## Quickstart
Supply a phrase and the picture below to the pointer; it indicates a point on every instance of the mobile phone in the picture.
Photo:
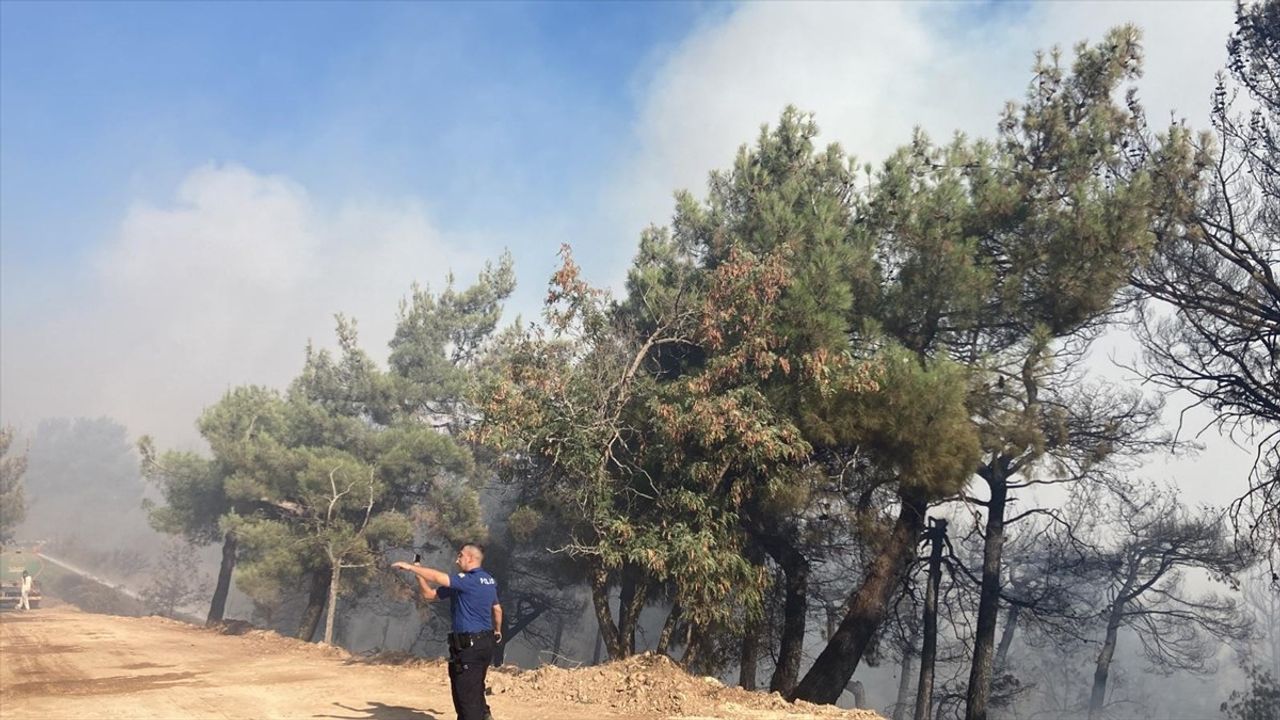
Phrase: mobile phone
(417, 558)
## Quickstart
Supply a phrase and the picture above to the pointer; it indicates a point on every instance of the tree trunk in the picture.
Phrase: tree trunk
(692, 647)
(979, 691)
(937, 533)
(795, 609)
(905, 670)
(604, 615)
(595, 656)
(219, 603)
(1098, 697)
(334, 577)
(631, 601)
(750, 655)
(315, 606)
(555, 646)
(668, 630)
(867, 608)
(626, 600)
(1006, 637)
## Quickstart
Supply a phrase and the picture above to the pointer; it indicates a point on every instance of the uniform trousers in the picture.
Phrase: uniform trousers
(468, 666)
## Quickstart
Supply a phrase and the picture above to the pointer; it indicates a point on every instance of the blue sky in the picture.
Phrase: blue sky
(189, 192)
(104, 103)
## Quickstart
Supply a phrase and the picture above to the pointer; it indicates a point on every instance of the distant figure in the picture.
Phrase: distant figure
(477, 625)
(25, 602)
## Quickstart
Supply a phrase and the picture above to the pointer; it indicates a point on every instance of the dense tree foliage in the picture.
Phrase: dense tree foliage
(13, 505)
(352, 459)
(801, 364)
(1005, 258)
(582, 405)
(920, 331)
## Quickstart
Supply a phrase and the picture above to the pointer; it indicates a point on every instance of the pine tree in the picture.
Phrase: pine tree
(12, 499)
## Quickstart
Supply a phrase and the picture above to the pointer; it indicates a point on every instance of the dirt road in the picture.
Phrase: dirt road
(63, 664)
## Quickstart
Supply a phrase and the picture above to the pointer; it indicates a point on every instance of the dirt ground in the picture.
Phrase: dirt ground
(64, 664)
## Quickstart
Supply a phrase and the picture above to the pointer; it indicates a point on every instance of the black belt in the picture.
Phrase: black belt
(463, 641)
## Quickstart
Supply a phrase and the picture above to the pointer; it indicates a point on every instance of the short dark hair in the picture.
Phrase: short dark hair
(477, 548)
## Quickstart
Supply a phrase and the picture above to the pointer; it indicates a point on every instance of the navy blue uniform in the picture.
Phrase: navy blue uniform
(472, 596)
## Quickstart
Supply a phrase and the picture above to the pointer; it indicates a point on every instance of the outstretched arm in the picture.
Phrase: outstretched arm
(428, 592)
(430, 575)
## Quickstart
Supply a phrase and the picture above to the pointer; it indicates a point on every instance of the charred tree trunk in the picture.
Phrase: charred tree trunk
(979, 691)
(867, 608)
(905, 671)
(555, 646)
(928, 653)
(218, 605)
(795, 608)
(747, 668)
(1098, 698)
(315, 605)
(604, 615)
(1006, 637)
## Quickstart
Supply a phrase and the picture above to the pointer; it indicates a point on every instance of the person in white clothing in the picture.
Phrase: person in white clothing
(25, 603)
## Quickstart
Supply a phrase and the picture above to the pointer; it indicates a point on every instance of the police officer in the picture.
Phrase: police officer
(477, 625)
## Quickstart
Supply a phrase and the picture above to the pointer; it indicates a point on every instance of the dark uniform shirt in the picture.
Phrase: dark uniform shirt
(472, 596)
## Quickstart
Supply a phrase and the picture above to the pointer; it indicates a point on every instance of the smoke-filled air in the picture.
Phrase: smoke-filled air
(561, 361)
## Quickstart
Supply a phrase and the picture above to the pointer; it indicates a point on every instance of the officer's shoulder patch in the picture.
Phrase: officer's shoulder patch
(462, 575)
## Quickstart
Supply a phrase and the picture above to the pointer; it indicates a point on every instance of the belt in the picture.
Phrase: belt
(471, 636)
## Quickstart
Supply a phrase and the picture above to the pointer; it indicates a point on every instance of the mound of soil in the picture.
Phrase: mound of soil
(265, 640)
(644, 685)
(654, 684)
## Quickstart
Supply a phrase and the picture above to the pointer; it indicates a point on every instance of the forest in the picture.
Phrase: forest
(840, 419)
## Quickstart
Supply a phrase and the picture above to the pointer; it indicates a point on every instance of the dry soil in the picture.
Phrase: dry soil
(63, 664)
